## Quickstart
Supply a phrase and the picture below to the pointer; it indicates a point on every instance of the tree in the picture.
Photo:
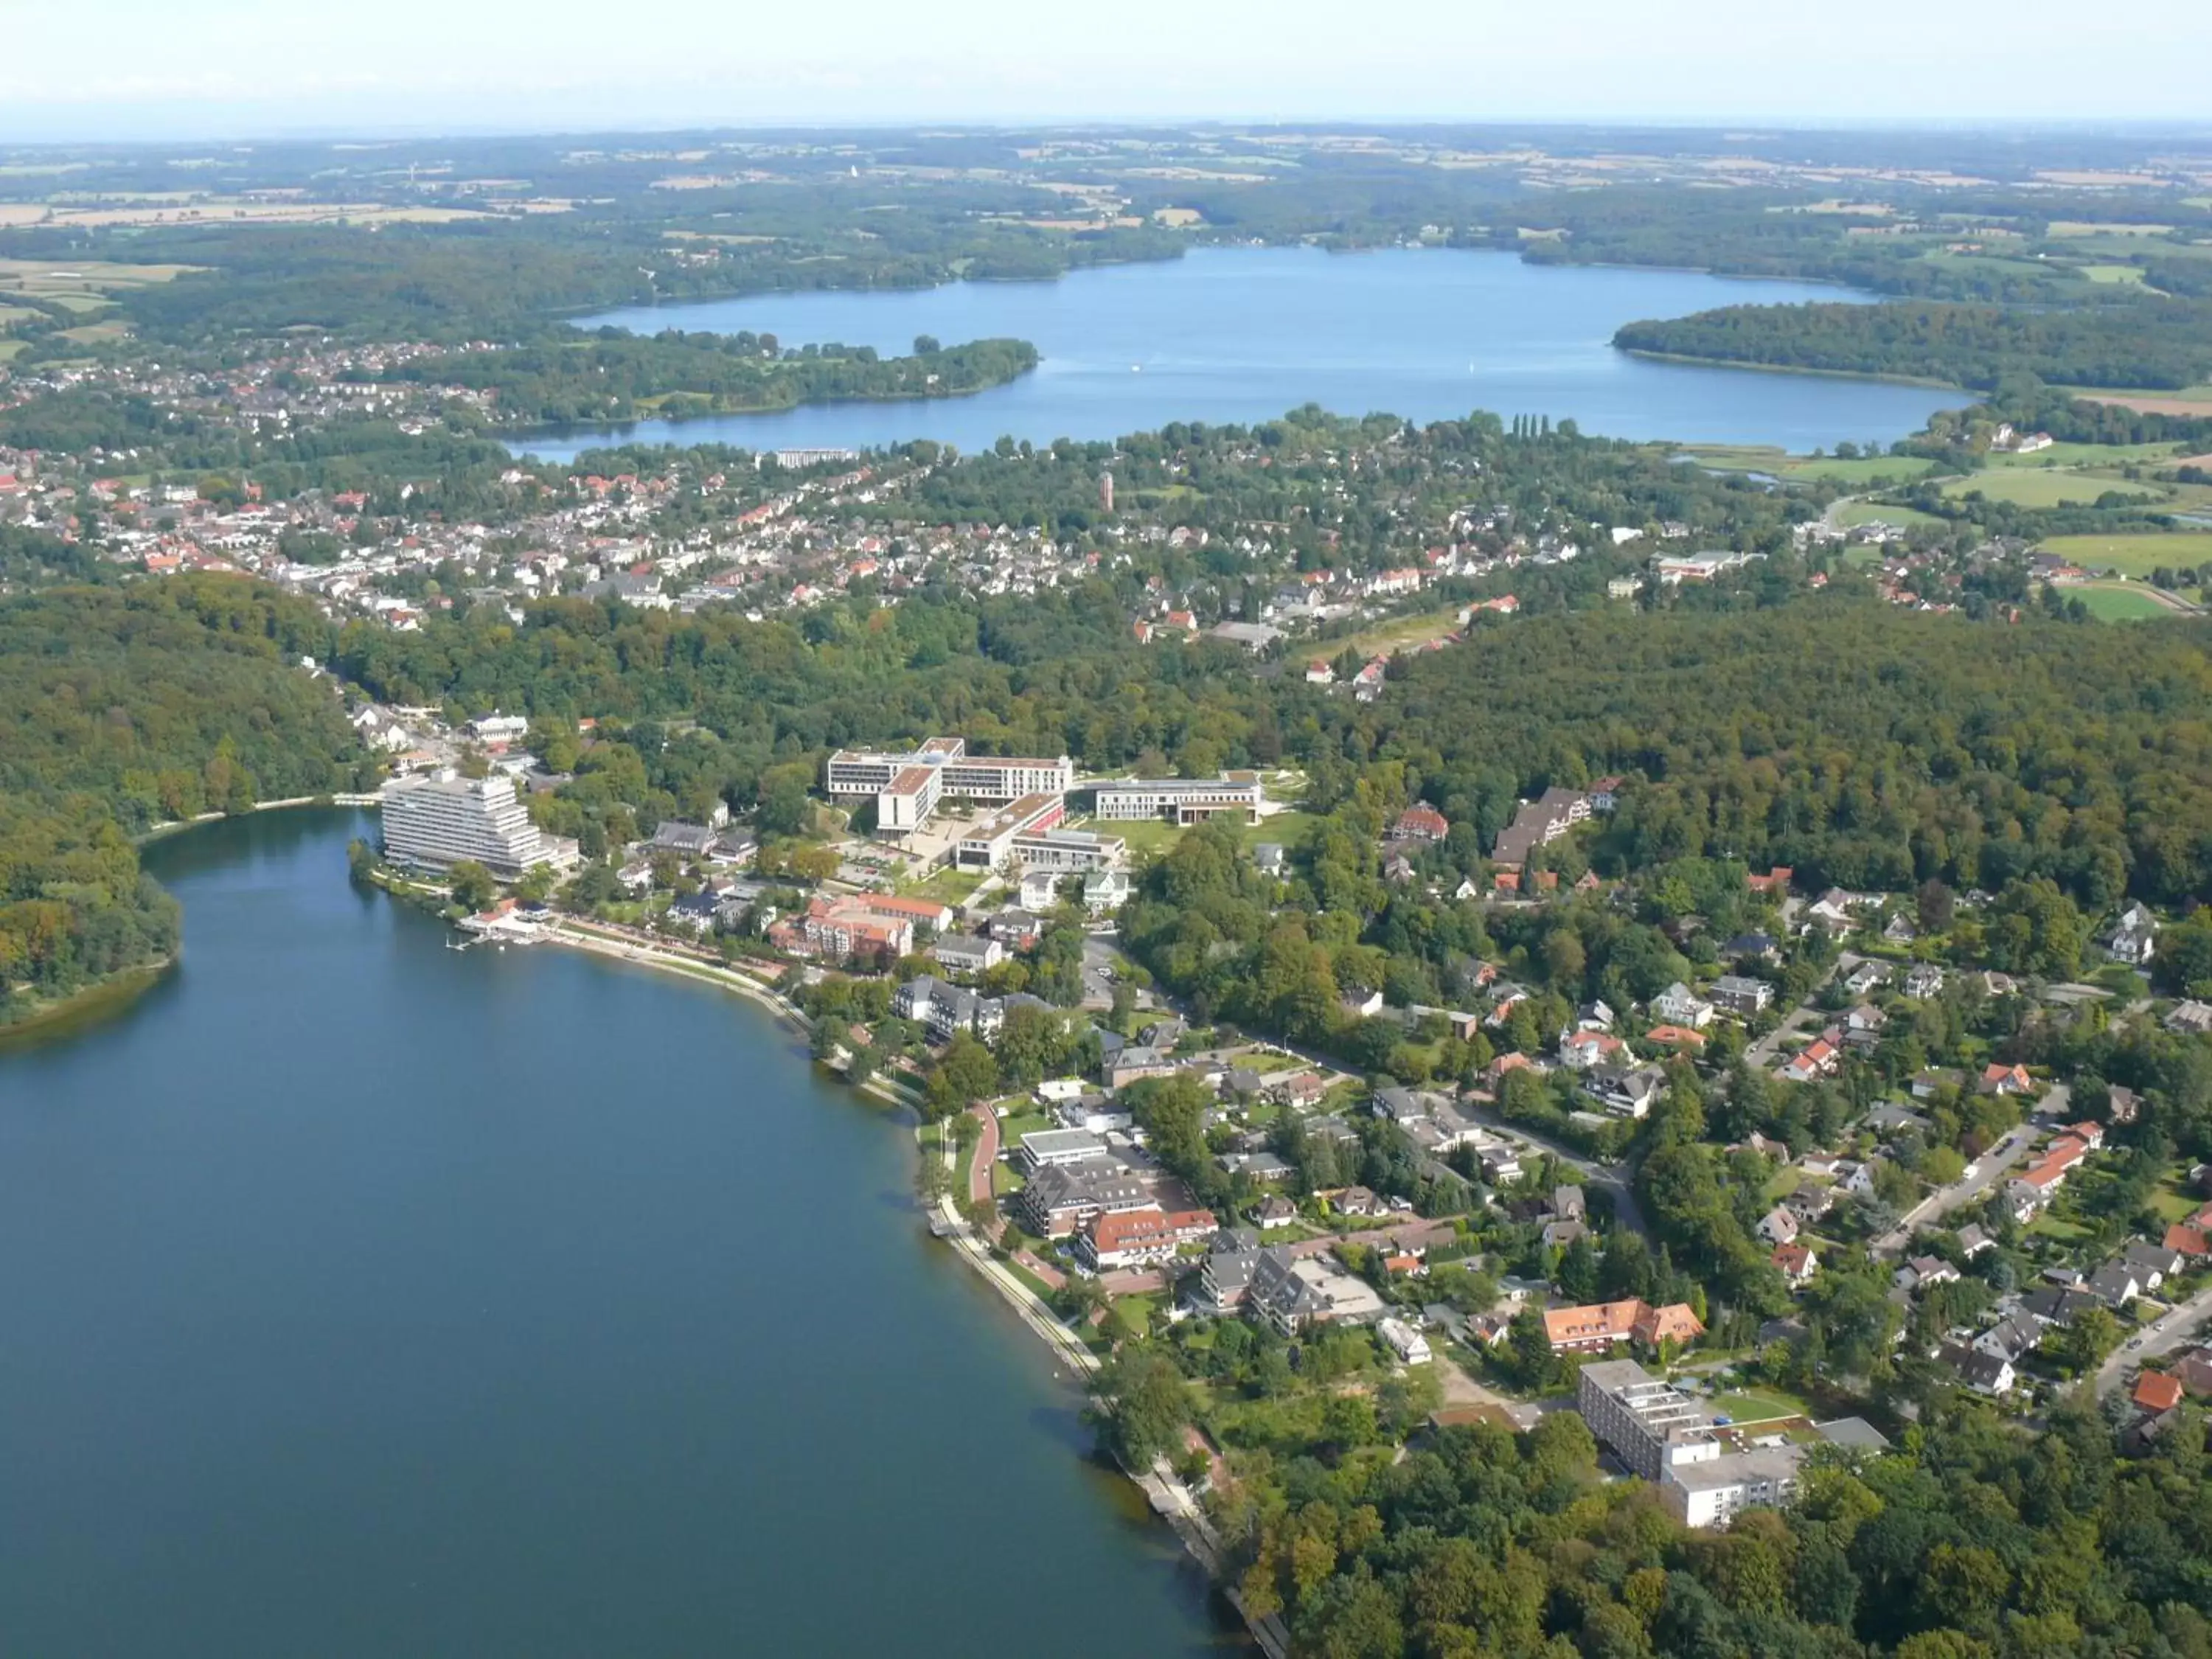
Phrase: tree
(1139, 1406)
(473, 887)
(964, 1072)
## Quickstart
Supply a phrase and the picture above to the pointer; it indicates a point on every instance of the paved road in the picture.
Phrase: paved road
(1611, 1179)
(1761, 1053)
(1991, 1167)
(2172, 1331)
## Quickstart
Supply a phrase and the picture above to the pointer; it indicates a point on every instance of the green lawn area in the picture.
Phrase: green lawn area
(1150, 837)
(2113, 274)
(1399, 634)
(946, 886)
(2171, 1203)
(2134, 556)
(1756, 1405)
(2119, 604)
(1859, 513)
(9, 347)
(2045, 487)
(1011, 1128)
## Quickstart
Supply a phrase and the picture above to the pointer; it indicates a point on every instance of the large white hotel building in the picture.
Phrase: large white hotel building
(1183, 800)
(907, 787)
(435, 822)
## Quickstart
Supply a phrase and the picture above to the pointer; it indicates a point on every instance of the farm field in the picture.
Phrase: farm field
(1860, 471)
(2134, 556)
(1399, 634)
(2068, 454)
(2053, 488)
(1859, 513)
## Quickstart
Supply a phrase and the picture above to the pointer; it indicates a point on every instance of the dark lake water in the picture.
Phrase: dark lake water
(366, 1298)
(1244, 334)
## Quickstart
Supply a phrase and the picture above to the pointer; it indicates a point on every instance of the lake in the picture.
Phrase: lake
(369, 1297)
(1244, 334)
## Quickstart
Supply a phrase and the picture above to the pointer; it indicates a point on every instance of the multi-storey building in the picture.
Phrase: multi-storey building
(435, 822)
(1650, 1424)
(908, 786)
(1183, 800)
(990, 845)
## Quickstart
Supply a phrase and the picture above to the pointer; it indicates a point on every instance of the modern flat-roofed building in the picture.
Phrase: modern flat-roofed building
(909, 785)
(435, 822)
(1650, 1424)
(990, 845)
(1069, 851)
(1711, 1492)
(1183, 800)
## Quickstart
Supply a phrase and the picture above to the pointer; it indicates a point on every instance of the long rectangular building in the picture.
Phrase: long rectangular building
(909, 785)
(1181, 800)
(435, 822)
(1650, 1424)
(990, 844)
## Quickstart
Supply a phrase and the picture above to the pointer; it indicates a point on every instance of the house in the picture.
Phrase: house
(1758, 946)
(1420, 822)
(1680, 1038)
(1411, 1347)
(1818, 1058)
(2151, 1264)
(2115, 1284)
(1124, 1238)
(1059, 1201)
(1775, 881)
(1922, 980)
(2190, 1018)
(1580, 1050)
(1927, 1270)
(1778, 1226)
(1678, 1005)
(1104, 890)
(1294, 1294)
(1626, 1090)
(1275, 1211)
(1225, 1278)
(1357, 1201)
(1973, 1241)
(1601, 1325)
(1798, 1262)
(2188, 1242)
(1863, 1025)
(2133, 939)
(1568, 1204)
(1039, 888)
(1865, 977)
(1982, 1372)
(2156, 1391)
(959, 953)
(1269, 858)
(1997, 1080)
(1135, 1063)
(1741, 995)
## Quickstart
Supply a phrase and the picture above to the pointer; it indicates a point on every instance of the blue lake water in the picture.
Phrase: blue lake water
(1244, 334)
(365, 1297)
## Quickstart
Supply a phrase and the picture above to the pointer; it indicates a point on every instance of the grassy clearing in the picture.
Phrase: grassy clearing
(1399, 634)
(2134, 556)
(946, 886)
(1859, 471)
(2118, 604)
(2114, 274)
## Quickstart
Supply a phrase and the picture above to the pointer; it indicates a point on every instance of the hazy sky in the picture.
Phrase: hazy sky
(194, 68)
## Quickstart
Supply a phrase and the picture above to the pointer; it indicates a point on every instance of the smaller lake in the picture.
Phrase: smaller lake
(1241, 335)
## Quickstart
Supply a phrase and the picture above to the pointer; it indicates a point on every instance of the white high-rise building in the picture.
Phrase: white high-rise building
(435, 822)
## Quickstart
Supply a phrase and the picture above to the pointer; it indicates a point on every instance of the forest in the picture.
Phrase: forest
(2147, 343)
(613, 375)
(122, 709)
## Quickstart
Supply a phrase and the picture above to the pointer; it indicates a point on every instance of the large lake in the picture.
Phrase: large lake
(1244, 334)
(366, 1298)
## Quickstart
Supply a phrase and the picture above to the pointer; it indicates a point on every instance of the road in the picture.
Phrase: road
(1989, 1169)
(1761, 1053)
(2170, 1331)
(986, 1154)
(1611, 1179)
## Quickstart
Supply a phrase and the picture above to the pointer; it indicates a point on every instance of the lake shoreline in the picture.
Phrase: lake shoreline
(101, 1000)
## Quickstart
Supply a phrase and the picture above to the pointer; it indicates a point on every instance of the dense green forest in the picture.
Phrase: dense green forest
(122, 708)
(615, 376)
(2149, 343)
(1972, 1540)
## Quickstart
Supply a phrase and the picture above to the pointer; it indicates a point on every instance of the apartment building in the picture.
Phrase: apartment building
(908, 786)
(435, 822)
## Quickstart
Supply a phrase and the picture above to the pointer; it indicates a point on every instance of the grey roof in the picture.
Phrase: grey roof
(1853, 1434)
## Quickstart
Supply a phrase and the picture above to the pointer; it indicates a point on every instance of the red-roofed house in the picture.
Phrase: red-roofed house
(2157, 1392)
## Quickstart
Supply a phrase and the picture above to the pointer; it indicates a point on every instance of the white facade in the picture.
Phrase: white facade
(435, 822)
(908, 786)
(1185, 801)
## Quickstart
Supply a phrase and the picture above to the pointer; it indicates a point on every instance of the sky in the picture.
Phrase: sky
(195, 69)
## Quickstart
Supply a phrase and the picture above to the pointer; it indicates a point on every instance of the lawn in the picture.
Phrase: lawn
(2136, 554)
(1859, 470)
(1756, 1406)
(2114, 274)
(947, 886)
(2070, 454)
(2045, 487)
(2172, 1202)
